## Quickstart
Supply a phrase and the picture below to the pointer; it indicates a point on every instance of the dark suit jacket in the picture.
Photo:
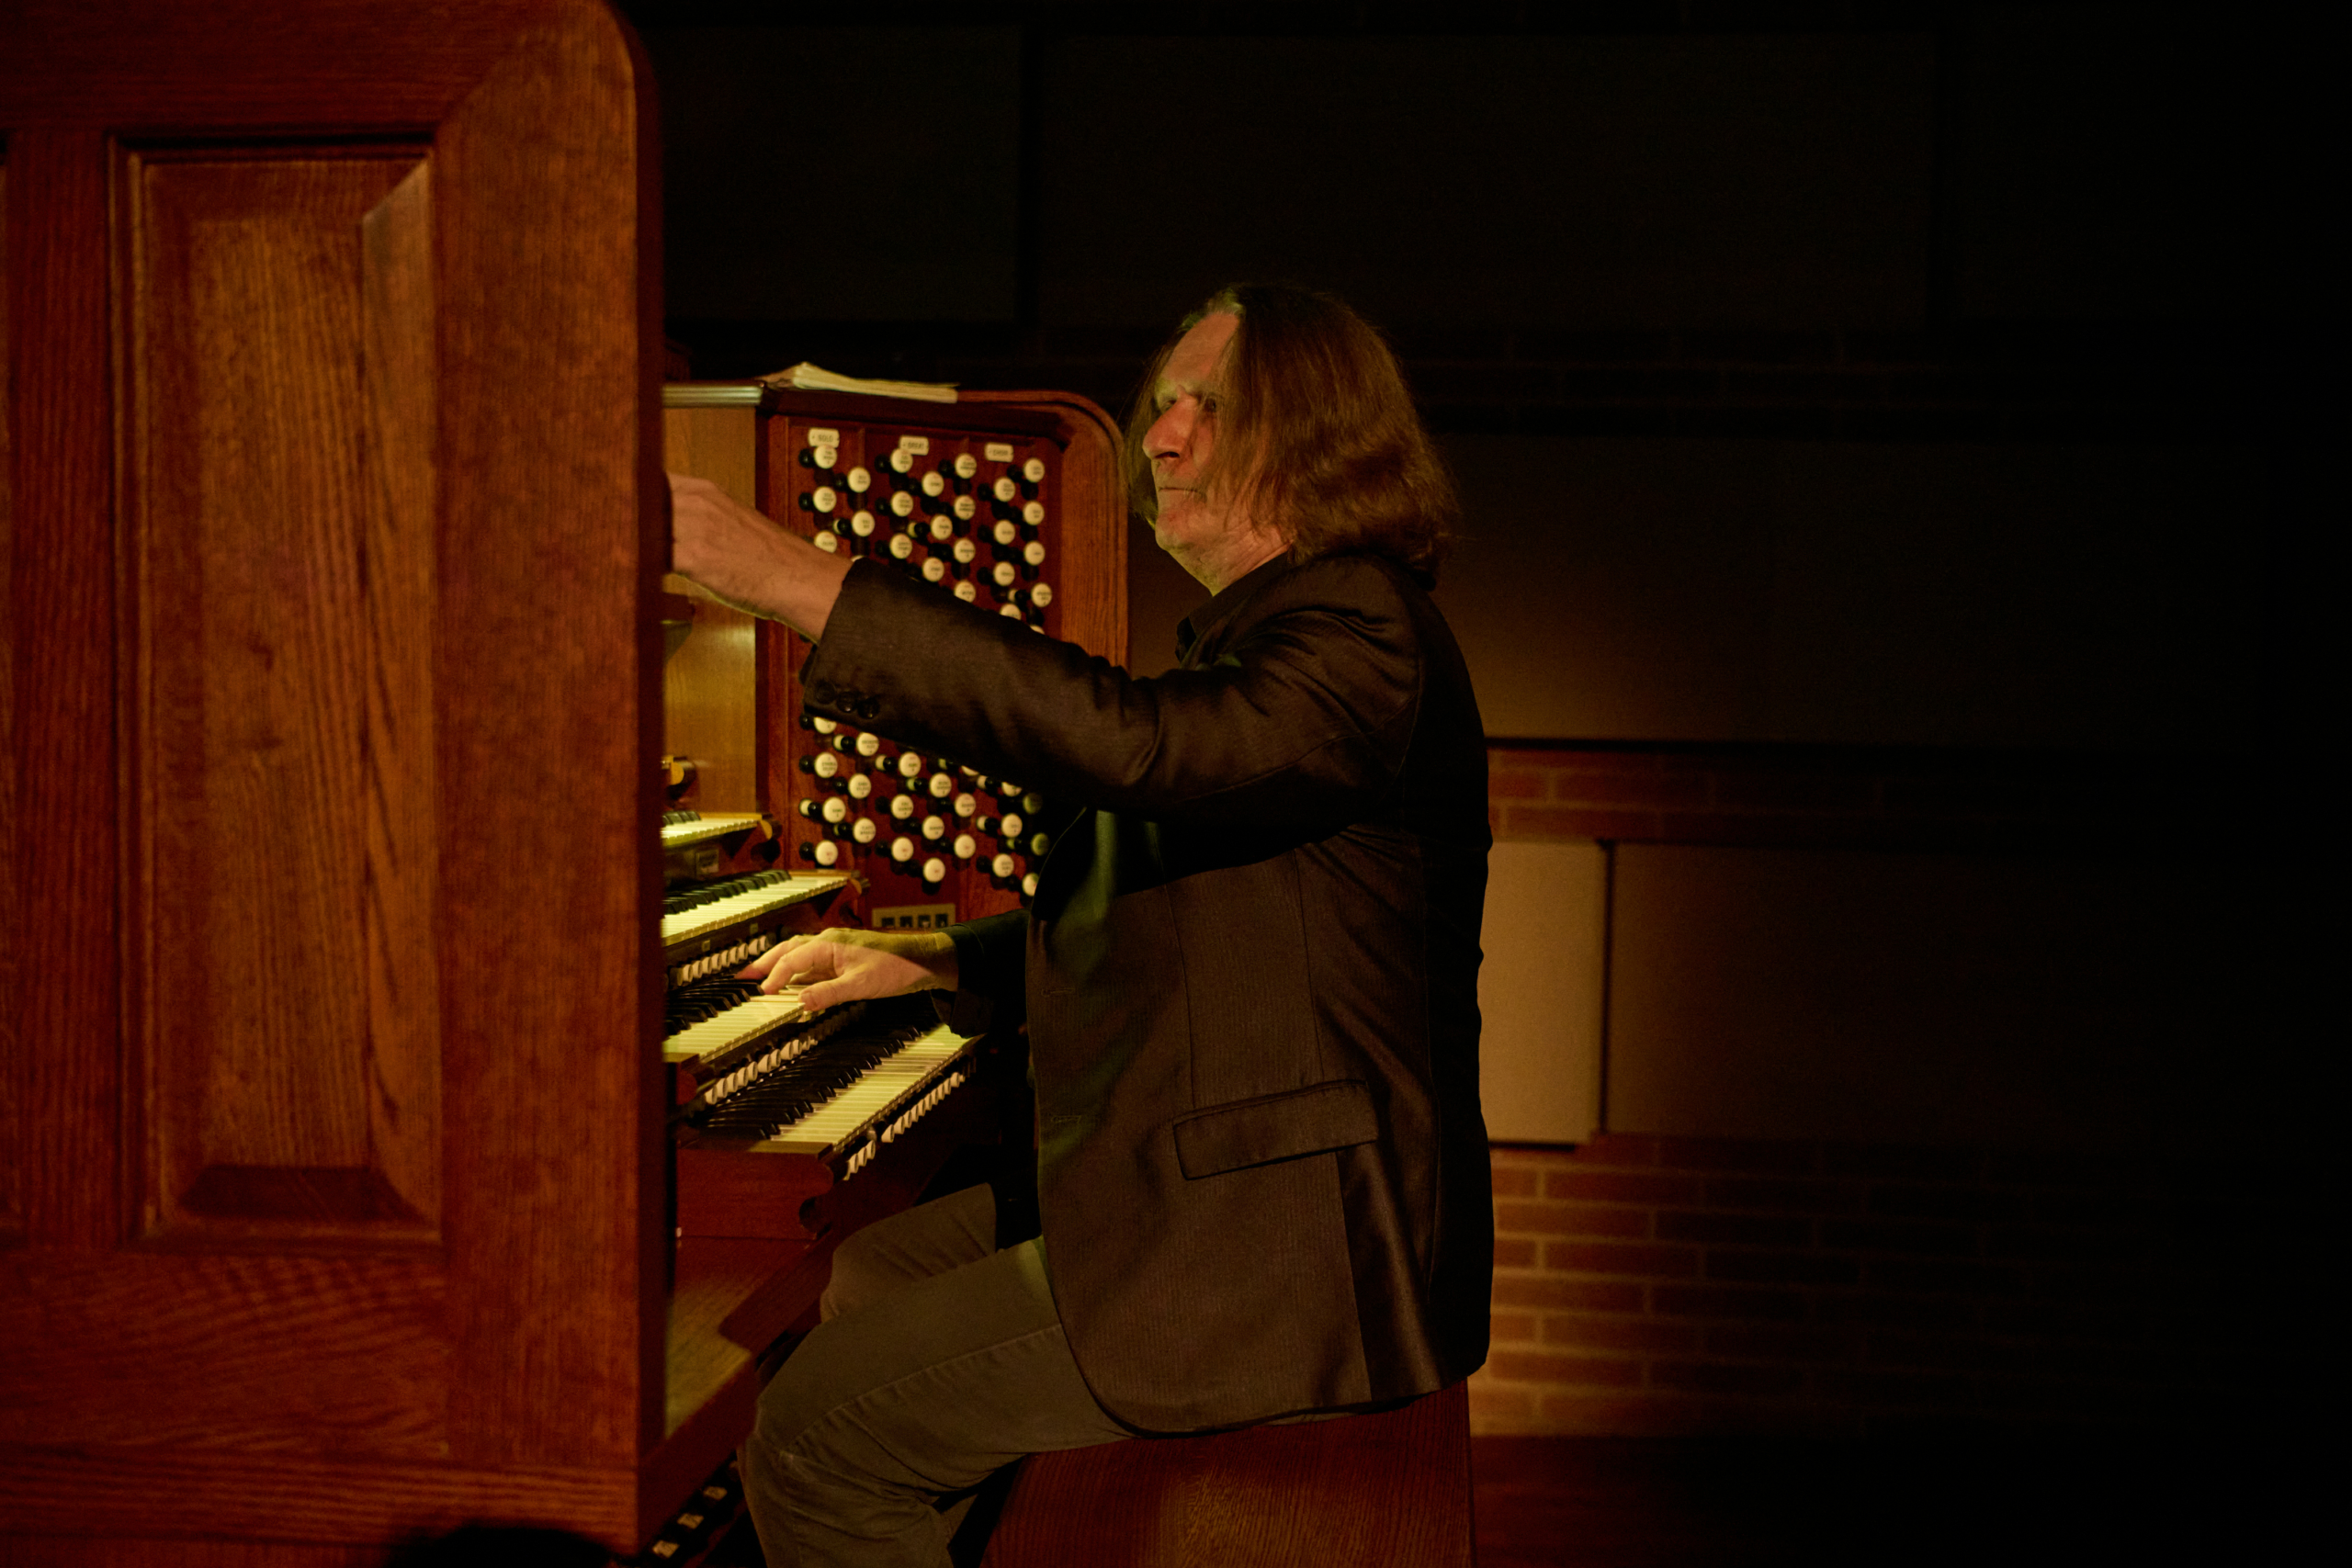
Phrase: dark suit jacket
(1249, 972)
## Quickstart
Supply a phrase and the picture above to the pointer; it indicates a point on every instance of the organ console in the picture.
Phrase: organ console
(378, 1150)
(790, 1129)
(864, 831)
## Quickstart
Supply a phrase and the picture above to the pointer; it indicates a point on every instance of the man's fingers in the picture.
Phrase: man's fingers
(785, 974)
(818, 997)
(784, 953)
(758, 966)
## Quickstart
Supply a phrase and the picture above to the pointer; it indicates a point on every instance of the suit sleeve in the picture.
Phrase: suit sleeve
(1304, 720)
(990, 955)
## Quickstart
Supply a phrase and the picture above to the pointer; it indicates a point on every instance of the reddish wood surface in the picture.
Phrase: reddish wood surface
(245, 1352)
(269, 1502)
(715, 1277)
(279, 710)
(330, 1159)
(11, 1190)
(710, 705)
(550, 445)
(100, 1552)
(60, 623)
(737, 1192)
(1392, 1489)
(332, 543)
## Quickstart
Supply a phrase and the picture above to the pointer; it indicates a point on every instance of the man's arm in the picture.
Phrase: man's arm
(749, 561)
(1305, 720)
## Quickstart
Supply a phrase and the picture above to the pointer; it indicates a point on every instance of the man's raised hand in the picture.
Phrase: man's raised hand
(747, 561)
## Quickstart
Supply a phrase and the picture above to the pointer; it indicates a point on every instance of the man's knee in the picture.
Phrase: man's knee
(862, 1271)
(916, 1244)
(796, 1400)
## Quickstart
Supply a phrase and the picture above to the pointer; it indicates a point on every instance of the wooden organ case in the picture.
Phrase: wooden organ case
(335, 1129)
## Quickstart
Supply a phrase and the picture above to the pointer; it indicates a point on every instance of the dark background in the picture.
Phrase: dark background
(1898, 444)
(1943, 375)
(1845, 385)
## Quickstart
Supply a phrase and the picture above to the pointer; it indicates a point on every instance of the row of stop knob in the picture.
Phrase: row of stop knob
(918, 809)
(1004, 868)
(1004, 503)
(927, 517)
(835, 770)
(1012, 581)
(903, 469)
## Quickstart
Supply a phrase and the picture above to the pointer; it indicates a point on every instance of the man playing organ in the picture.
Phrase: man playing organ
(1247, 975)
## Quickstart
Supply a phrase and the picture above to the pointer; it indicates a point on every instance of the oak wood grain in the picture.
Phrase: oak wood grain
(278, 552)
(12, 1199)
(298, 1498)
(356, 65)
(101, 1551)
(330, 546)
(229, 1351)
(341, 515)
(550, 445)
(737, 1192)
(720, 445)
(62, 614)
(710, 704)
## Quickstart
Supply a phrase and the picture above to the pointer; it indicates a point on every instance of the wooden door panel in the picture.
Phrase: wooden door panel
(551, 867)
(278, 418)
(336, 1358)
(275, 1506)
(12, 1209)
(131, 1552)
(62, 1000)
(330, 1186)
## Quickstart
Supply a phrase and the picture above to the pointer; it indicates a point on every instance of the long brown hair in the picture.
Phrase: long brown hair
(1315, 433)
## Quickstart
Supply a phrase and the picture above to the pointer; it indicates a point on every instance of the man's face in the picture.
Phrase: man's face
(1181, 439)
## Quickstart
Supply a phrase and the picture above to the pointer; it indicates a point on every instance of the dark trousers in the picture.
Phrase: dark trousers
(939, 1360)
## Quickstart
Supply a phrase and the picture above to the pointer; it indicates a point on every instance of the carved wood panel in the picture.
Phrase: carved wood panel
(278, 412)
(10, 931)
(253, 1354)
(328, 678)
(12, 1209)
(61, 625)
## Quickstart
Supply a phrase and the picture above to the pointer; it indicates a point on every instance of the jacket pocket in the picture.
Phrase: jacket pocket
(1272, 1127)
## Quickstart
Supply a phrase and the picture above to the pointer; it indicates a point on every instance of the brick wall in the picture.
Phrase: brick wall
(1842, 797)
(1652, 1286)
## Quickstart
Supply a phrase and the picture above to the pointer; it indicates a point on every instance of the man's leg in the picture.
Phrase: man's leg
(923, 1392)
(890, 1254)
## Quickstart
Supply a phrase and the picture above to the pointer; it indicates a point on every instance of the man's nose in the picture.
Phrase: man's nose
(1167, 434)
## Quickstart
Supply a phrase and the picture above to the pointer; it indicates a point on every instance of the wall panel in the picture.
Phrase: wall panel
(1544, 937)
